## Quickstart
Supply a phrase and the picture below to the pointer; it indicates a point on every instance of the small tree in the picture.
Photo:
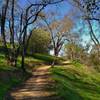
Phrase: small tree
(39, 41)
(59, 30)
(74, 52)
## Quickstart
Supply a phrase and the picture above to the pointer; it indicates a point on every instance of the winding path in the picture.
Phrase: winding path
(38, 87)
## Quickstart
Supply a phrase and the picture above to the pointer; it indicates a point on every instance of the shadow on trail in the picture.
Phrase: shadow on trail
(38, 87)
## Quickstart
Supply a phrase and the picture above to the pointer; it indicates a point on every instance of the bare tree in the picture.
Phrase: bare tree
(26, 17)
(3, 21)
(30, 19)
(90, 12)
(59, 31)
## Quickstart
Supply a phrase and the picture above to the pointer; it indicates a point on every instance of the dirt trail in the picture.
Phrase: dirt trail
(38, 87)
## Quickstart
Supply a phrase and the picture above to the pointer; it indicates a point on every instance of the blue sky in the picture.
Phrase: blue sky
(62, 7)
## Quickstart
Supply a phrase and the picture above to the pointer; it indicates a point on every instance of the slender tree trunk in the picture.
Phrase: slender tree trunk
(55, 55)
(56, 52)
(3, 20)
(23, 61)
(13, 57)
(16, 56)
(23, 53)
(4, 42)
(94, 38)
(24, 48)
(92, 33)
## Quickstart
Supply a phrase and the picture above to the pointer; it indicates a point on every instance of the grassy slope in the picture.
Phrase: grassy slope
(9, 76)
(77, 82)
(5, 84)
(30, 62)
(74, 82)
(48, 59)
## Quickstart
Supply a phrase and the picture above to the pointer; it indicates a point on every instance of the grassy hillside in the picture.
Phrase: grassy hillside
(11, 76)
(48, 58)
(77, 82)
(74, 81)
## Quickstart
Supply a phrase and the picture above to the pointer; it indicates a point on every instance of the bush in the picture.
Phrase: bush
(95, 61)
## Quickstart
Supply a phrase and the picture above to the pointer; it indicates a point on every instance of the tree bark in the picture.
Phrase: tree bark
(3, 20)
(23, 61)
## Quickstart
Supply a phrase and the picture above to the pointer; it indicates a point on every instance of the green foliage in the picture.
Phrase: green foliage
(39, 41)
(77, 83)
(3, 63)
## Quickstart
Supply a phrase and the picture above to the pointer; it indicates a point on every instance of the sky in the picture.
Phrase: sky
(63, 7)
(66, 8)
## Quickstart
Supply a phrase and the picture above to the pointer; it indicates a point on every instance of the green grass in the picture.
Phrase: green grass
(7, 82)
(77, 83)
(76, 63)
(73, 82)
(30, 60)
(7, 85)
(10, 76)
(47, 58)
(3, 64)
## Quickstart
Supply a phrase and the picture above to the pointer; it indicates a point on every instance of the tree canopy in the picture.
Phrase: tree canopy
(39, 41)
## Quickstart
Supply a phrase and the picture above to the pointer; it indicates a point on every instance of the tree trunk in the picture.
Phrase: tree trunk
(55, 54)
(4, 41)
(11, 26)
(23, 61)
(3, 19)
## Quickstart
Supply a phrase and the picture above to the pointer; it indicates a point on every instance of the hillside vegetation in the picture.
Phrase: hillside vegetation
(73, 80)
(12, 76)
(77, 82)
